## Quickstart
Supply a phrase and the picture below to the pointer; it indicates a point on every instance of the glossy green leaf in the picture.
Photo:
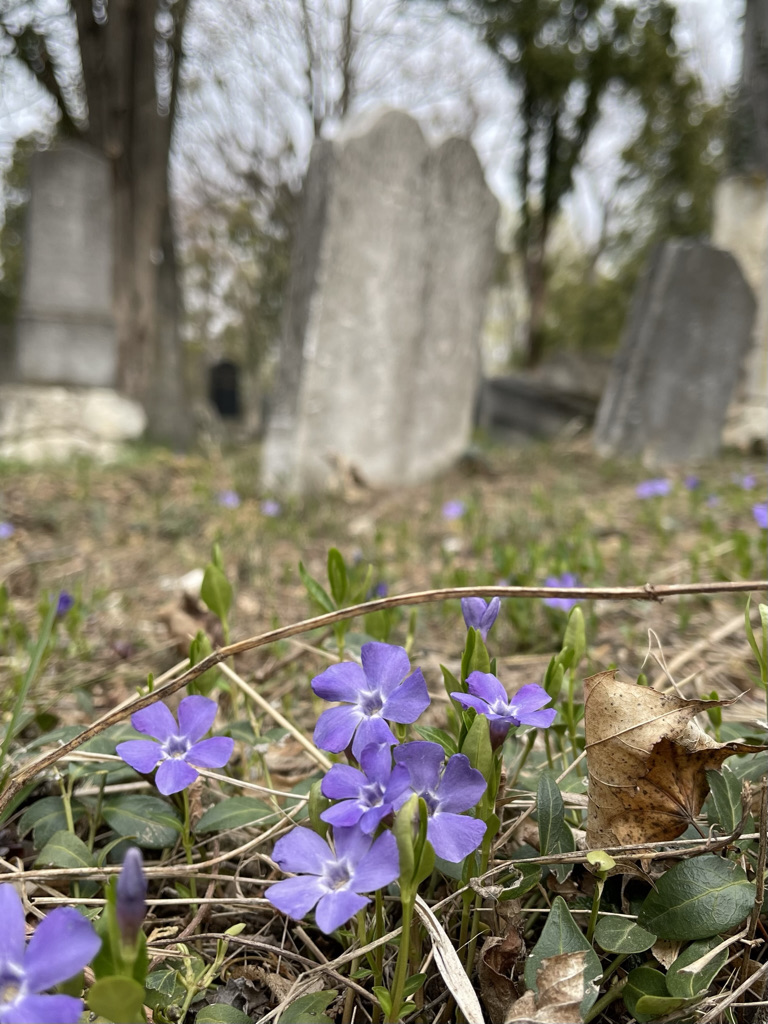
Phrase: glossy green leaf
(46, 817)
(65, 850)
(337, 576)
(620, 935)
(724, 807)
(118, 999)
(530, 876)
(561, 934)
(698, 898)
(576, 635)
(689, 983)
(309, 1009)
(221, 1013)
(477, 746)
(216, 591)
(554, 834)
(643, 981)
(235, 812)
(153, 823)
(475, 657)
(433, 735)
(316, 592)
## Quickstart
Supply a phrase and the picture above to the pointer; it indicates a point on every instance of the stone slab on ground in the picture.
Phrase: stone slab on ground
(687, 333)
(41, 423)
(380, 358)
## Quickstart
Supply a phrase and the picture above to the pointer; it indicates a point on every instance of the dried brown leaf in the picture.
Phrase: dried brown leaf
(647, 761)
(495, 968)
(560, 981)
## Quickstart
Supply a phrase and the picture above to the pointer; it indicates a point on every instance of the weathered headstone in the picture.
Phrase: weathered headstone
(688, 330)
(380, 355)
(65, 331)
(741, 228)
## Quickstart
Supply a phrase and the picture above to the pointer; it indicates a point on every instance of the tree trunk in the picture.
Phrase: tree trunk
(755, 71)
(119, 67)
(536, 280)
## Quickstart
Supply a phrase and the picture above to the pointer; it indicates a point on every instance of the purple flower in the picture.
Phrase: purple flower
(446, 793)
(332, 878)
(7, 530)
(479, 615)
(365, 796)
(228, 499)
(131, 906)
(760, 512)
(747, 482)
(64, 603)
(180, 746)
(712, 501)
(488, 697)
(63, 943)
(373, 695)
(653, 488)
(270, 507)
(564, 604)
(692, 482)
(453, 510)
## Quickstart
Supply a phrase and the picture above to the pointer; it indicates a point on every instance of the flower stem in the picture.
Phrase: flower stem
(186, 840)
(401, 970)
(610, 996)
(349, 1001)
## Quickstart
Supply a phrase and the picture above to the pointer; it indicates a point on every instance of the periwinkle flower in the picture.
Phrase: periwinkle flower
(228, 499)
(748, 482)
(453, 509)
(63, 943)
(488, 697)
(564, 604)
(480, 615)
(7, 530)
(179, 747)
(692, 482)
(657, 488)
(131, 905)
(372, 695)
(332, 878)
(760, 513)
(64, 603)
(447, 792)
(712, 501)
(271, 508)
(365, 797)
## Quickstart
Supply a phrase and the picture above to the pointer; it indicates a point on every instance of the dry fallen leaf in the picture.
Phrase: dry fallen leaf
(560, 981)
(647, 761)
(495, 967)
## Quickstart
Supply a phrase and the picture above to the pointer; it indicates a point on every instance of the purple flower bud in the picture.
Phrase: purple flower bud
(453, 510)
(131, 896)
(7, 530)
(760, 512)
(228, 499)
(270, 508)
(563, 604)
(479, 615)
(653, 488)
(64, 603)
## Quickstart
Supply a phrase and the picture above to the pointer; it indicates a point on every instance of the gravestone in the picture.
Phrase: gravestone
(688, 330)
(380, 358)
(65, 332)
(741, 228)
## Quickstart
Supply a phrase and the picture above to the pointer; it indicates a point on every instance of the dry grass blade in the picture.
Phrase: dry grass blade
(449, 965)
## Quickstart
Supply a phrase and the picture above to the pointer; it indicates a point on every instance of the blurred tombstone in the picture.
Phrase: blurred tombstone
(65, 332)
(741, 228)
(224, 389)
(380, 358)
(687, 333)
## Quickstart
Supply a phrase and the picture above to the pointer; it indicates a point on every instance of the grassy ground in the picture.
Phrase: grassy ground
(121, 540)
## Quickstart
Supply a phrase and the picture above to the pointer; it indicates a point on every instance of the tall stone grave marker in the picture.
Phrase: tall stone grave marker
(65, 331)
(688, 330)
(380, 358)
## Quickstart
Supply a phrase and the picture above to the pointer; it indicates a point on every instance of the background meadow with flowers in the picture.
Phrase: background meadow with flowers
(394, 813)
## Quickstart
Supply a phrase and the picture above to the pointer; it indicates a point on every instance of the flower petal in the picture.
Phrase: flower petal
(372, 731)
(372, 818)
(336, 908)
(529, 698)
(376, 761)
(63, 943)
(468, 701)
(351, 844)
(343, 814)
(156, 720)
(407, 702)
(12, 931)
(335, 728)
(487, 687)
(302, 850)
(196, 716)
(211, 753)
(454, 836)
(385, 665)
(540, 719)
(51, 1009)
(141, 755)
(342, 782)
(379, 866)
(174, 775)
(296, 896)
(399, 782)
(461, 785)
(473, 609)
(340, 682)
(423, 760)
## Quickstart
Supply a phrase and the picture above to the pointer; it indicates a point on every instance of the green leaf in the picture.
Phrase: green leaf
(725, 806)
(619, 935)
(216, 591)
(317, 593)
(413, 984)
(576, 635)
(65, 850)
(475, 657)
(309, 1009)
(477, 746)
(554, 834)
(405, 821)
(641, 982)
(235, 812)
(530, 875)
(688, 983)
(553, 680)
(561, 934)
(221, 1013)
(45, 817)
(337, 576)
(117, 998)
(447, 742)
(153, 823)
(698, 898)
(163, 987)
